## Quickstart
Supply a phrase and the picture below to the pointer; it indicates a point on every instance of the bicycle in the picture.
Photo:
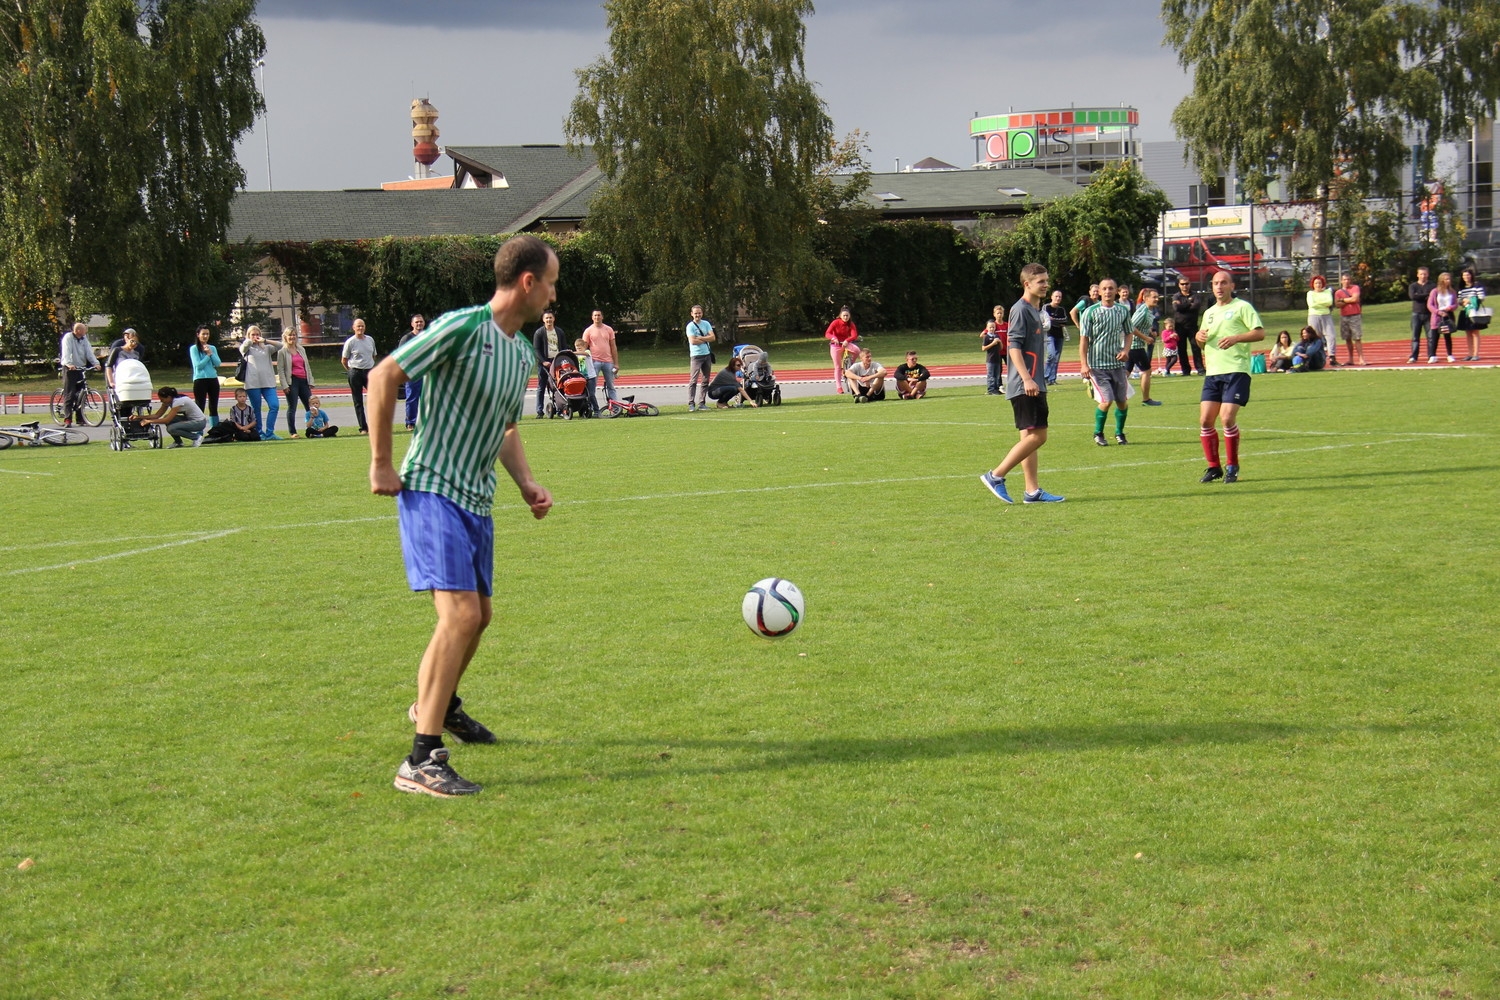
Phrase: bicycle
(90, 401)
(34, 434)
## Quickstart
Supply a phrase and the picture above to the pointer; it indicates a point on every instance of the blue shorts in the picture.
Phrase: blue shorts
(1232, 388)
(444, 546)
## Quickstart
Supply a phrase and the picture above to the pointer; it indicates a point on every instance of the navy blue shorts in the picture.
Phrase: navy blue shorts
(1231, 388)
(444, 546)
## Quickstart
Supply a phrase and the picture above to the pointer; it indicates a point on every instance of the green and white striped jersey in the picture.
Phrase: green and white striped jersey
(1142, 321)
(473, 385)
(1106, 327)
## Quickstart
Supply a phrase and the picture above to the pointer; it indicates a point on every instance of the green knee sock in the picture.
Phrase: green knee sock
(1098, 421)
(1119, 422)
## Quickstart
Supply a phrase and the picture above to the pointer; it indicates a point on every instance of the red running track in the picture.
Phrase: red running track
(1384, 354)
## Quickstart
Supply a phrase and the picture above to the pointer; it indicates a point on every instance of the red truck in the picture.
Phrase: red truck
(1197, 258)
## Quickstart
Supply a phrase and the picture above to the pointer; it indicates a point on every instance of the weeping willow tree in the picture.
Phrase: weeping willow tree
(712, 138)
(117, 158)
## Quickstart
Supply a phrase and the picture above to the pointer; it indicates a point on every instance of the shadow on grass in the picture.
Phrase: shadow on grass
(675, 756)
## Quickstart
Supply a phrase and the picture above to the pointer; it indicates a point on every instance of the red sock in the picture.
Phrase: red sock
(1210, 439)
(1232, 445)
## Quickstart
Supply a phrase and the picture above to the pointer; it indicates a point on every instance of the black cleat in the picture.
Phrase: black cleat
(1120, 439)
(433, 777)
(458, 725)
(1213, 472)
(1099, 440)
(1231, 473)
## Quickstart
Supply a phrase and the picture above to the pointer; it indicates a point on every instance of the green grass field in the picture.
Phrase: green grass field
(1383, 322)
(1162, 740)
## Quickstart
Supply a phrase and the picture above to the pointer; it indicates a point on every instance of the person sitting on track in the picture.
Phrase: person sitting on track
(239, 427)
(726, 386)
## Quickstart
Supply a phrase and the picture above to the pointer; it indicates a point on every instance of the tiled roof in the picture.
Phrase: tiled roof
(306, 216)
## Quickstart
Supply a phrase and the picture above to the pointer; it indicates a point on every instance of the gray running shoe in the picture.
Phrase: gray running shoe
(433, 777)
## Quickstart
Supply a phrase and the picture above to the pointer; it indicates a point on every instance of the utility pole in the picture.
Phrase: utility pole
(265, 122)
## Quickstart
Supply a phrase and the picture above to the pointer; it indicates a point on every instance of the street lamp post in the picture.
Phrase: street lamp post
(265, 122)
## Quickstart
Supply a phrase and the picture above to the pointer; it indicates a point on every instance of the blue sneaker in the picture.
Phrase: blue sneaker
(270, 437)
(1041, 496)
(1153, 402)
(995, 486)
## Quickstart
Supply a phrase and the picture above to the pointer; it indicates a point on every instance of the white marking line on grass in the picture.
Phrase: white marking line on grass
(18, 472)
(121, 555)
(178, 534)
(1002, 425)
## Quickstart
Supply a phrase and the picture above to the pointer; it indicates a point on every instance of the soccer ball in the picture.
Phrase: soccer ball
(773, 607)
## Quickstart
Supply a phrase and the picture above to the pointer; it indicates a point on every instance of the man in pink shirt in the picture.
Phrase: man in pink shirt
(601, 342)
(1351, 321)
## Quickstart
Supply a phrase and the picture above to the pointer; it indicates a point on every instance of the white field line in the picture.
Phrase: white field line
(1003, 426)
(21, 472)
(122, 555)
(648, 497)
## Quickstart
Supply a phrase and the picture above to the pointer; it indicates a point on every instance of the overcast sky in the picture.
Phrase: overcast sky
(340, 75)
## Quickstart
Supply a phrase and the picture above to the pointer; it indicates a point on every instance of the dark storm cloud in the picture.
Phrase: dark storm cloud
(580, 15)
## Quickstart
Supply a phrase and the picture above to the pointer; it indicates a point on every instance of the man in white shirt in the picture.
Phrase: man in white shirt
(358, 358)
(866, 378)
(77, 358)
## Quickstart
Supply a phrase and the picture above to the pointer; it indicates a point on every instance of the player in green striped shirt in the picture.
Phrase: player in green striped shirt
(1103, 330)
(1226, 331)
(474, 370)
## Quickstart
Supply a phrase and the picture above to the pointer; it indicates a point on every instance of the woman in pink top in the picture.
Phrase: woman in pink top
(294, 377)
(842, 336)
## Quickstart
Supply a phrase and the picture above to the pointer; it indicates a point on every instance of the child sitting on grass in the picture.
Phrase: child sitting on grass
(317, 421)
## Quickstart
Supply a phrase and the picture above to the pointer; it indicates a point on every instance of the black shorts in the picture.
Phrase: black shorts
(1231, 388)
(1140, 359)
(1031, 411)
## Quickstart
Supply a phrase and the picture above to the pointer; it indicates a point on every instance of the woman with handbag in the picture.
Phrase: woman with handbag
(294, 377)
(1442, 305)
(204, 358)
(1475, 315)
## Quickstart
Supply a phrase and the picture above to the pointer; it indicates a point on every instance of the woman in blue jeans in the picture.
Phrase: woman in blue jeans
(294, 377)
(260, 380)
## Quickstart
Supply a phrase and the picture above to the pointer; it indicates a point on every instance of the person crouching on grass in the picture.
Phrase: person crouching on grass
(179, 416)
(474, 369)
(1230, 325)
(1026, 388)
(726, 386)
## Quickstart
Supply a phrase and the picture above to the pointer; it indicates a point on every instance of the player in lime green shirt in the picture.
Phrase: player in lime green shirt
(1227, 330)
(474, 369)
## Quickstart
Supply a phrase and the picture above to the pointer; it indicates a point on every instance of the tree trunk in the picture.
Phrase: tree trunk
(1320, 237)
(62, 308)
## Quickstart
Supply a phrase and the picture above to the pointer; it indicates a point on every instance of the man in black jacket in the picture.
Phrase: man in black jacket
(547, 341)
(1186, 308)
(1418, 291)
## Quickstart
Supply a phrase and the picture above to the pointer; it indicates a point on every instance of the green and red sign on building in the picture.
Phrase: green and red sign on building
(1032, 135)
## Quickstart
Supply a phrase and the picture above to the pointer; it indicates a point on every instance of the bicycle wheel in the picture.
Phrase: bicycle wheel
(59, 405)
(94, 409)
(649, 410)
(65, 436)
(6, 439)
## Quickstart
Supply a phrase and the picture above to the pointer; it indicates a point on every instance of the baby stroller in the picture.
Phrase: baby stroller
(131, 394)
(568, 388)
(760, 380)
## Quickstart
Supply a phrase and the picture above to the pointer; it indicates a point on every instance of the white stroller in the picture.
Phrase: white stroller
(131, 393)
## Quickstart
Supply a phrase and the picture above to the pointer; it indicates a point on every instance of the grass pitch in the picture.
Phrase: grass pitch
(1162, 740)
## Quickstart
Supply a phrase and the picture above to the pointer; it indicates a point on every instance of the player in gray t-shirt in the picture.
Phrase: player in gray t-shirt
(1026, 388)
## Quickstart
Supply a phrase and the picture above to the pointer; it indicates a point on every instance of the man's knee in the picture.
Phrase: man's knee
(462, 611)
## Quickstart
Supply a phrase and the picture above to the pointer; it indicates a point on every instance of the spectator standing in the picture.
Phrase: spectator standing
(1187, 306)
(911, 377)
(1169, 345)
(1421, 319)
(179, 416)
(412, 391)
(358, 359)
(204, 357)
(726, 386)
(294, 376)
(1442, 308)
(1320, 316)
(700, 337)
(1102, 353)
(546, 342)
(992, 341)
(1230, 326)
(1351, 318)
(77, 358)
(843, 337)
(260, 380)
(1309, 355)
(1057, 335)
(1143, 341)
(601, 340)
(127, 347)
(1026, 389)
(1470, 321)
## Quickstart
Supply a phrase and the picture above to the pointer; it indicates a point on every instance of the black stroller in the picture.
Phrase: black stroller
(760, 380)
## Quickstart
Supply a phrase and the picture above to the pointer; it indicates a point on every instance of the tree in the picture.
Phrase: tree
(711, 135)
(117, 159)
(1322, 92)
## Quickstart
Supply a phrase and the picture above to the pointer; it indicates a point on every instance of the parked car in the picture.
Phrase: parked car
(1152, 272)
(1482, 250)
(1198, 257)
